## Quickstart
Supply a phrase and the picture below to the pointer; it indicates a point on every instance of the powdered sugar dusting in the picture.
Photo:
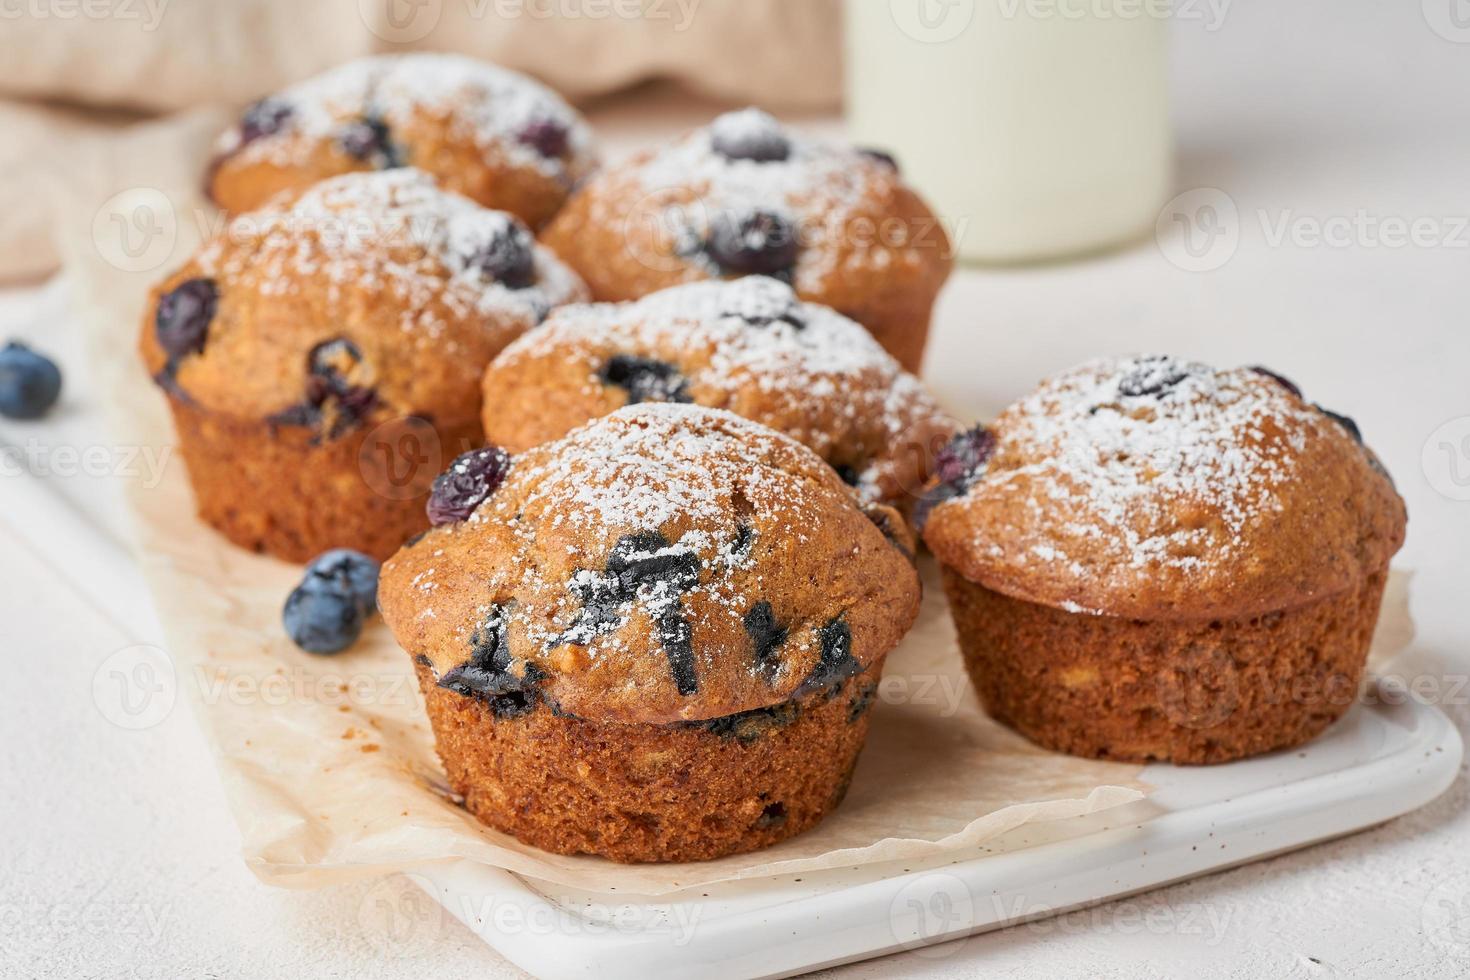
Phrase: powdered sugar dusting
(1148, 461)
(816, 188)
(644, 469)
(830, 383)
(490, 106)
(395, 228)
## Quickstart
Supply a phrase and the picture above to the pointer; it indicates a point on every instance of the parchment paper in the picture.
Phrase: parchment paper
(329, 764)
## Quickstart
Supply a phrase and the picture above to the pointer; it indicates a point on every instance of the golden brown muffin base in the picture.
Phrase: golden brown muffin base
(271, 489)
(1186, 692)
(643, 793)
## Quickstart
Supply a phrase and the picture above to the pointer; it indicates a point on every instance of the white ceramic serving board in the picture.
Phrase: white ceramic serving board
(1381, 761)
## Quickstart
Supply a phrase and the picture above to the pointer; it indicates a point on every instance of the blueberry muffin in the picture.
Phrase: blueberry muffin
(744, 196)
(1151, 559)
(656, 639)
(322, 357)
(748, 346)
(493, 135)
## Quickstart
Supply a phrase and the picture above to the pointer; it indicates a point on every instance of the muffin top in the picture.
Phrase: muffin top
(492, 134)
(663, 563)
(748, 346)
(746, 196)
(369, 292)
(1157, 488)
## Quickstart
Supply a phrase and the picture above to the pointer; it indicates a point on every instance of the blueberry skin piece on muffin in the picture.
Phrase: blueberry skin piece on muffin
(749, 346)
(748, 196)
(493, 135)
(671, 621)
(322, 357)
(1150, 559)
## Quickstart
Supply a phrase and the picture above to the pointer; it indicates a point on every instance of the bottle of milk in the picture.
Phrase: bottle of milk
(1038, 128)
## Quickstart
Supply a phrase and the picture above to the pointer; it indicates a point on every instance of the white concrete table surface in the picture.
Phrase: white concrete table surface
(1330, 128)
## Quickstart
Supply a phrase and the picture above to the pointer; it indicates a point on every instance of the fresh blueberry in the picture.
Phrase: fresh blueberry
(757, 243)
(881, 156)
(1283, 381)
(349, 570)
(468, 482)
(263, 118)
(644, 379)
(547, 137)
(749, 135)
(1348, 424)
(323, 614)
(766, 637)
(509, 257)
(184, 313)
(29, 382)
(369, 140)
(1151, 377)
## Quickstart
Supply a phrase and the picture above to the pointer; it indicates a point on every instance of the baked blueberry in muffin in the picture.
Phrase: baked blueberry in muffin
(493, 135)
(748, 346)
(322, 356)
(746, 196)
(655, 639)
(1148, 558)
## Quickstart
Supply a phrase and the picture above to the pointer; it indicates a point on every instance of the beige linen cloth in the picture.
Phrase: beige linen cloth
(75, 68)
